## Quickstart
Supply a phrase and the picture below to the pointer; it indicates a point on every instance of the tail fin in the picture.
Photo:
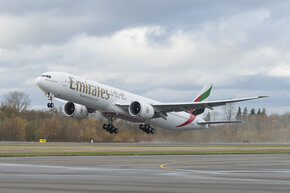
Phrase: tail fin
(204, 93)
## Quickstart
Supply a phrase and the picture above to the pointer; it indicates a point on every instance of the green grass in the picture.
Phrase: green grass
(47, 149)
(137, 153)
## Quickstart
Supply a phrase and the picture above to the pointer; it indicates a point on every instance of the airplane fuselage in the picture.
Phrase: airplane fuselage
(106, 100)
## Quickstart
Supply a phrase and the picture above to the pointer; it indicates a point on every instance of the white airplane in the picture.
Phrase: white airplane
(84, 96)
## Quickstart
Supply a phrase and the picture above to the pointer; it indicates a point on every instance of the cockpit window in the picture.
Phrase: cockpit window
(46, 76)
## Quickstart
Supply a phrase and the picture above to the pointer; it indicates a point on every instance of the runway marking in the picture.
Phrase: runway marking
(164, 166)
(74, 169)
(231, 172)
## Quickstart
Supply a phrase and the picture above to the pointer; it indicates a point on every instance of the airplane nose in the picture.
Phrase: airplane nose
(38, 82)
(41, 84)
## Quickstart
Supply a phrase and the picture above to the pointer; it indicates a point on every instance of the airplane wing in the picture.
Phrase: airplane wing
(162, 109)
(177, 107)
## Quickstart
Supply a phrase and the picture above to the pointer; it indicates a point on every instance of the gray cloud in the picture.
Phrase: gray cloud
(55, 21)
(165, 50)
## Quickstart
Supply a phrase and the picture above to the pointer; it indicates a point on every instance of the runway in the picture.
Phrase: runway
(206, 173)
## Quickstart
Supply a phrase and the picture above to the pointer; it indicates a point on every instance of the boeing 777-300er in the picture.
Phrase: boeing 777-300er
(84, 96)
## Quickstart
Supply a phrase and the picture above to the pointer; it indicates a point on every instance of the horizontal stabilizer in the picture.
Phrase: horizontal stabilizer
(217, 122)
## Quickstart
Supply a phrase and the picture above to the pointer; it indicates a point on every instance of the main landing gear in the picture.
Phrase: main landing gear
(110, 127)
(147, 128)
(50, 104)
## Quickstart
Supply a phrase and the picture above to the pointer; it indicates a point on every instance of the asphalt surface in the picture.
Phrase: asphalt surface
(206, 173)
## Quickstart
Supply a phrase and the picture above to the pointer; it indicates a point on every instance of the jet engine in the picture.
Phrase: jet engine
(197, 112)
(141, 109)
(75, 111)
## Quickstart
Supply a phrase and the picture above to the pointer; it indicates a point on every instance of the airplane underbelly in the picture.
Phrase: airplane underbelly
(174, 121)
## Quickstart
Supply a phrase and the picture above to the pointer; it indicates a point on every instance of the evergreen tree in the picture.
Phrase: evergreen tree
(245, 112)
(259, 112)
(239, 114)
(264, 111)
(253, 111)
(207, 118)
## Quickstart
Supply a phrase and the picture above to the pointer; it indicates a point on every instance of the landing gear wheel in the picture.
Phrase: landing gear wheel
(50, 105)
(147, 128)
(110, 127)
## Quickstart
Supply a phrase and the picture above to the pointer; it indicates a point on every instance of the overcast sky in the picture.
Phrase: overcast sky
(162, 49)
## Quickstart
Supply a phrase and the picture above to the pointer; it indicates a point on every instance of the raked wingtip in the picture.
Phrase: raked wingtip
(262, 97)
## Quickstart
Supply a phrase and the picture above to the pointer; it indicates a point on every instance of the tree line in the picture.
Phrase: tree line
(17, 123)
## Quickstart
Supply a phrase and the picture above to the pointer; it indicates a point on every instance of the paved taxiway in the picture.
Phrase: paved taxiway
(206, 173)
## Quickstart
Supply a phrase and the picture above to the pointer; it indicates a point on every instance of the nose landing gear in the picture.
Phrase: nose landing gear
(49, 96)
(50, 105)
(147, 128)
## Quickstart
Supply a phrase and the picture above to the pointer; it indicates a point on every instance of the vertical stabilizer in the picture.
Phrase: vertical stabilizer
(204, 93)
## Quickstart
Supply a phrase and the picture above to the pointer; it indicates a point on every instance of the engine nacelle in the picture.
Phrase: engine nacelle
(142, 110)
(197, 112)
(75, 111)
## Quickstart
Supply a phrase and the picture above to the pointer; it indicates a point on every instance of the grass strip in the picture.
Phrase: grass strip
(137, 153)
